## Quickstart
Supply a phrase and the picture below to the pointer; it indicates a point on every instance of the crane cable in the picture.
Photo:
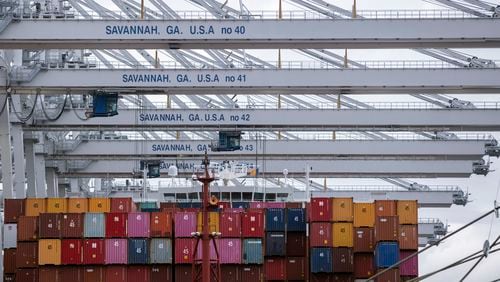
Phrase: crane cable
(59, 114)
(74, 108)
(4, 104)
(28, 117)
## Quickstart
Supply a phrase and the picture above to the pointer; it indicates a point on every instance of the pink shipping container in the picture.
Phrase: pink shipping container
(275, 205)
(185, 224)
(138, 224)
(230, 225)
(229, 250)
(116, 251)
(258, 205)
(409, 267)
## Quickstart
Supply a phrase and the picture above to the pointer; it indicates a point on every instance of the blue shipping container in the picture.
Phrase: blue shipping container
(296, 220)
(275, 244)
(321, 260)
(386, 254)
(252, 251)
(240, 205)
(275, 220)
(138, 251)
(94, 225)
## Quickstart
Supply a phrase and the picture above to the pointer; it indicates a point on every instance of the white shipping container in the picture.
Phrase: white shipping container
(10, 236)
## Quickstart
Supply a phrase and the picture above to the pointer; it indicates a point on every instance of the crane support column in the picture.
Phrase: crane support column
(5, 152)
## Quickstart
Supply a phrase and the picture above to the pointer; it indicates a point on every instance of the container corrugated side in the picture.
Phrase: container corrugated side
(13, 209)
(408, 237)
(94, 274)
(72, 225)
(251, 273)
(71, 273)
(385, 208)
(296, 244)
(98, 205)
(78, 205)
(391, 275)
(161, 224)
(50, 225)
(93, 251)
(386, 228)
(116, 251)
(138, 224)
(296, 220)
(230, 225)
(409, 267)
(116, 273)
(160, 251)
(122, 205)
(342, 234)
(27, 254)
(364, 240)
(320, 210)
(48, 274)
(138, 251)
(10, 235)
(386, 254)
(161, 273)
(275, 268)
(321, 234)
(252, 224)
(342, 210)
(275, 244)
(184, 250)
(27, 275)
(407, 212)
(94, 225)
(9, 261)
(321, 260)
(34, 206)
(213, 222)
(116, 225)
(57, 205)
(137, 273)
(343, 260)
(364, 214)
(49, 252)
(229, 250)
(296, 268)
(71, 251)
(230, 272)
(363, 265)
(27, 228)
(252, 251)
(185, 224)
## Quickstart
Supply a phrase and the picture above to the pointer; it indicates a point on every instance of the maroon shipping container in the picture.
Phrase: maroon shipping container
(183, 272)
(138, 273)
(27, 254)
(27, 275)
(230, 272)
(72, 225)
(385, 208)
(296, 268)
(116, 273)
(320, 210)
(275, 268)
(9, 261)
(50, 225)
(13, 209)
(252, 224)
(386, 228)
(27, 228)
(116, 225)
(343, 260)
(391, 275)
(164, 206)
(291, 205)
(326, 277)
(125, 205)
(363, 265)
(409, 267)
(71, 274)
(184, 249)
(161, 224)
(251, 273)
(223, 205)
(162, 273)
(321, 234)
(296, 244)
(408, 237)
(94, 274)
(49, 274)
(93, 251)
(234, 210)
(364, 240)
(71, 251)
(9, 277)
(230, 225)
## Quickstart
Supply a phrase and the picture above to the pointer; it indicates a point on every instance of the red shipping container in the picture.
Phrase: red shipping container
(386, 228)
(391, 275)
(363, 265)
(13, 209)
(343, 260)
(137, 273)
(9, 261)
(161, 224)
(50, 225)
(72, 225)
(183, 273)
(27, 228)
(321, 210)
(185, 224)
(71, 251)
(70, 273)
(116, 225)
(93, 251)
(321, 234)
(223, 205)
(184, 250)
(27, 275)
(234, 210)
(296, 268)
(9, 277)
(409, 267)
(385, 208)
(162, 273)
(122, 205)
(326, 277)
(164, 205)
(230, 225)
(94, 274)
(49, 274)
(252, 224)
(408, 237)
(296, 244)
(364, 240)
(251, 273)
(116, 273)
(230, 272)
(275, 268)
(27, 254)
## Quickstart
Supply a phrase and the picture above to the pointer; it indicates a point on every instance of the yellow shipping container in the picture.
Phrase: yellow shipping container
(408, 212)
(213, 222)
(342, 235)
(57, 205)
(78, 205)
(49, 251)
(364, 214)
(342, 209)
(99, 205)
(34, 206)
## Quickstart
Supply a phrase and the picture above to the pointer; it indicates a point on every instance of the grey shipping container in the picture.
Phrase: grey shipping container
(275, 244)
(160, 250)
(94, 225)
(252, 251)
(10, 236)
(138, 251)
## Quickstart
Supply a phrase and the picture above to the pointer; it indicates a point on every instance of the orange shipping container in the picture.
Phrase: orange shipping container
(407, 212)
(385, 208)
(161, 224)
(34, 206)
(49, 252)
(78, 205)
(408, 237)
(342, 209)
(99, 205)
(342, 235)
(364, 214)
(213, 222)
(56, 205)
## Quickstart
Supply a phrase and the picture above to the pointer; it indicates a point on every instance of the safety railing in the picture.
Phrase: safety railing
(391, 188)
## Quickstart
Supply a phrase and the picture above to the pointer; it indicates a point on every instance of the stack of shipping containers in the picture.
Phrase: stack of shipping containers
(321, 239)
(252, 231)
(364, 242)
(275, 244)
(386, 237)
(408, 237)
(297, 264)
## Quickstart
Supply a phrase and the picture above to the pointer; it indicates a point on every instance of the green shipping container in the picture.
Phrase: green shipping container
(252, 251)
